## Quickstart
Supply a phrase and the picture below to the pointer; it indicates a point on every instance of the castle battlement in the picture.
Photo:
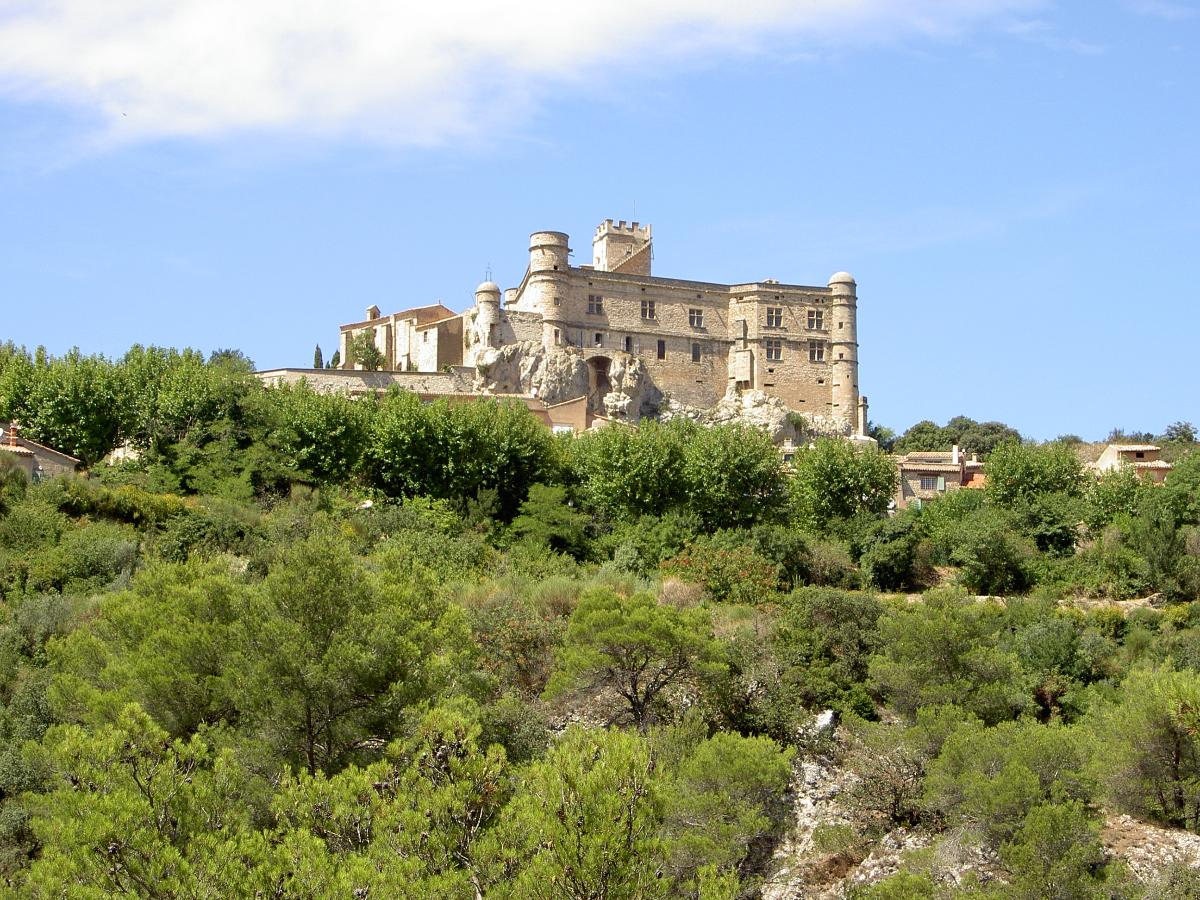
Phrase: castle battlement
(633, 229)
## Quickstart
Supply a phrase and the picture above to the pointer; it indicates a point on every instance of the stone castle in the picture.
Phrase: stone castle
(635, 343)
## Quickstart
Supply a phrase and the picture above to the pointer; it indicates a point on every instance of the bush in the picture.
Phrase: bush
(945, 650)
(86, 559)
(730, 573)
(991, 556)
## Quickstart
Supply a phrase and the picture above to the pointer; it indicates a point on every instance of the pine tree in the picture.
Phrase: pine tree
(318, 358)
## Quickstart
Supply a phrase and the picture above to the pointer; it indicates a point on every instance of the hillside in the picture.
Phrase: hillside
(298, 645)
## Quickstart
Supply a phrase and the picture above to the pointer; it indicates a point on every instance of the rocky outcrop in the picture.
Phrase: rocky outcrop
(632, 393)
(822, 798)
(1149, 849)
(529, 368)
(563, 373)
(753, 408)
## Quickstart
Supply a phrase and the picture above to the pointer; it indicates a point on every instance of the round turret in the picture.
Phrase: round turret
(843, 346)
(487, 306)
(546, 288)
(548, 251)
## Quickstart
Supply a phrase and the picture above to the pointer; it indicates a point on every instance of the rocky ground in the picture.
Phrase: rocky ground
(806, 867)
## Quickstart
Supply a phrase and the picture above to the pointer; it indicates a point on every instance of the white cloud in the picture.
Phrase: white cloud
(400, 71)
(1163, 9)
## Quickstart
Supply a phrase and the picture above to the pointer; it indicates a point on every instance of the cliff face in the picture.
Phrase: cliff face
(624, 391)
(529, 368)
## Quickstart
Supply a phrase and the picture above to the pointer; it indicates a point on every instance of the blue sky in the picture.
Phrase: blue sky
(1015, 184)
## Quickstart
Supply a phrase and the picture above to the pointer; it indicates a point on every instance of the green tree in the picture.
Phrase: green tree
(410, 825)
(232, 360)
(330, 656)
(165, 644)
(137, 813)
(1116, 493)
(363, 351)
(836, 480)
(584, 824)
(1018, 473)
(458, 452)
(924, 435)
(944, 650)
(991, 555)
(1149, 746)
(547, 518)
(625, 474)
(636, 647)
(734, 476)
(724, 803)
(994, 778)
(884, 436)
(322, 437)
(1055, 853)
(335, 361)
(74, 405)
(1180, 432)
(318, 358)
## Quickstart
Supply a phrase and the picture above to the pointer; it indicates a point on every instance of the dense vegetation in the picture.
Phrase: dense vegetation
(307, 646)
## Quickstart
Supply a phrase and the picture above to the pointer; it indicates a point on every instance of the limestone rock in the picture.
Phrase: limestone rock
(753, 408)
(636, 394)
(528, 368)
(562, 373)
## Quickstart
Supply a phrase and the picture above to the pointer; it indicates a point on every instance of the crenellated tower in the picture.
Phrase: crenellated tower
(617, 247)
(844, 349)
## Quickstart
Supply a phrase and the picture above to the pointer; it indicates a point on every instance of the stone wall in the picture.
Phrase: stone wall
(458, 380)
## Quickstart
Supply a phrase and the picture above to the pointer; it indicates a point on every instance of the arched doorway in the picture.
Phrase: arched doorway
(598, 383)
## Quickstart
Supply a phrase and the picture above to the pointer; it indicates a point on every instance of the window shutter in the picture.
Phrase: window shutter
(941, 482)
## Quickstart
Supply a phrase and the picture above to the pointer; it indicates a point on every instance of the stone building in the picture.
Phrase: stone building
(1142, 458)
(692, 342)
(36, 460)
(928, 474)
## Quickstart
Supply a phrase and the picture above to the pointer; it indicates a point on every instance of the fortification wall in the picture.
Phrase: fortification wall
(355, 383)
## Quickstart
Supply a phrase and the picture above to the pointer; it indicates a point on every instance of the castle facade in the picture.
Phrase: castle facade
(698, 341)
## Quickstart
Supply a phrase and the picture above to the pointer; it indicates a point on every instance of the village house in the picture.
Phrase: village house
(1144, 458)
(928, 474)
(36, 460)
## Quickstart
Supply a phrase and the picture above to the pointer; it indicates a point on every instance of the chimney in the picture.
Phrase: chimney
(954, 456)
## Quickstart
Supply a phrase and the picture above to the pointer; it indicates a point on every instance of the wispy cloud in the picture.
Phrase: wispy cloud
(402, 73)
(1163, 9)
(1046, 34)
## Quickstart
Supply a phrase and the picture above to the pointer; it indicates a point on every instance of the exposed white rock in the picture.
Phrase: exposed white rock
(529, 368)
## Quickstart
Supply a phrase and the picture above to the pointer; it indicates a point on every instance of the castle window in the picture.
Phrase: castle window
(696, 318)
(816, 319)
(695, 353)
(774, 348)
(595, 304)
(816, 351)
(599, 339)
(628, 344)
(648, 309)
(774, 316)
(425, 336)
(662, 349)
